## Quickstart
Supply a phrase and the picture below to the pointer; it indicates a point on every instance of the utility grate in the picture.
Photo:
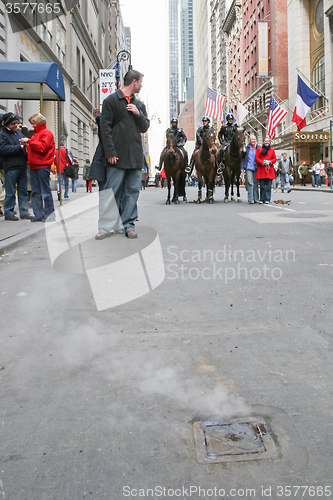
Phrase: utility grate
(234, 440)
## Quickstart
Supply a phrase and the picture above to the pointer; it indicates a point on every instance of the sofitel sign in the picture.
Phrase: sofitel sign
(318, 136)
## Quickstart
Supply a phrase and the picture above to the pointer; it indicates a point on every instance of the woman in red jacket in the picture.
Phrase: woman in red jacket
(40, 157)
(265, 159)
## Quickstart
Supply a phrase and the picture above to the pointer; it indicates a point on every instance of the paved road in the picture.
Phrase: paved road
(99, 402)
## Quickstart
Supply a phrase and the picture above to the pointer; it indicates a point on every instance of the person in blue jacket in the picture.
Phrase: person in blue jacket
(248, 164)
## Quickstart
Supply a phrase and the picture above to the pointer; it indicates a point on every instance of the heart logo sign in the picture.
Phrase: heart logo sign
(118, 269)
(105, 91)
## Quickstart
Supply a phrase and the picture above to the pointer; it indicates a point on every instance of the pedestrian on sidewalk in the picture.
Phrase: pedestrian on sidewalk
(76, 168)
(66, 158)
(303, 172)
(143, 179)
(248, 164)
(318, 168)
(14, 162)
(40, 158)
(329, 170)
(85, 175)
(284, 171)
(265, 158)
(163, 178)
(313, 174)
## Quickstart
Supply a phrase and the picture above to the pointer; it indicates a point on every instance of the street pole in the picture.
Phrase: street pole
(331, 153)
(123, 55)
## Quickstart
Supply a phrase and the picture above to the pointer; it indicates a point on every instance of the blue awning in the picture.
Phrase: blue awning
(21, 80)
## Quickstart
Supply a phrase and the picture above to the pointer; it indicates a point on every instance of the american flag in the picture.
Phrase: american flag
(214, 104)
(275, 116)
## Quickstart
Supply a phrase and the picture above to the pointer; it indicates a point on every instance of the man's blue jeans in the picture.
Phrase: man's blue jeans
(318, 180)
(41, 194)
(122, 187)
(265, 190)
(64, 182)
(285, 178)
(252, 186)
(16, 178)
(313, 178)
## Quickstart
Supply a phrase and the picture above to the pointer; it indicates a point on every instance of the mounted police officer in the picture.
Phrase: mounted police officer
(198, 140)
(181, 139)
(225, 136)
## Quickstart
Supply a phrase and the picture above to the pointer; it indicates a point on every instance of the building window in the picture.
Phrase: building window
(78, 68)
(60, 42)
(318, 80)
(319, 17)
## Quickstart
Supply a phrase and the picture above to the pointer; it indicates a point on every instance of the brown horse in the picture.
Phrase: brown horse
(174, 166)
(232, 160)
(205, 164)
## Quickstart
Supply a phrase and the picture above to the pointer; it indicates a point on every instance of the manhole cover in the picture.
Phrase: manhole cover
(302, 216)
(233, 440)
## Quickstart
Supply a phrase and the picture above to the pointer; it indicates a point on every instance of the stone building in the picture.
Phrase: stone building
(81, 41)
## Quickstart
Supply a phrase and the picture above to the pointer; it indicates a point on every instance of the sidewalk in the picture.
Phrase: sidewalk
(12, 233)
(323, 188)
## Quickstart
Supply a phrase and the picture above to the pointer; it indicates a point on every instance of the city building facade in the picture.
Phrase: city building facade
(173, 19)
(81, 41)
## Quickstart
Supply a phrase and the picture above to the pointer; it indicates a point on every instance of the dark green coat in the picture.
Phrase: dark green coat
(121, 130)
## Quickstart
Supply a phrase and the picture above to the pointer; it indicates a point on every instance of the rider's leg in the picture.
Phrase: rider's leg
(161, 159)
(189, 169)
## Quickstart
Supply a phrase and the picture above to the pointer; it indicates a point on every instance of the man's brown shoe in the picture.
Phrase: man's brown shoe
(28, 216)
(101, 235)
(11, 217)
(131, 234)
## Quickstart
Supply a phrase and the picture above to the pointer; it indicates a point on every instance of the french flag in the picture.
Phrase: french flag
(304, 100)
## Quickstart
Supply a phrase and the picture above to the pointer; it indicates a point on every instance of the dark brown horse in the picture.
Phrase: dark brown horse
(174, 166)
(232, 160)
(205, 164)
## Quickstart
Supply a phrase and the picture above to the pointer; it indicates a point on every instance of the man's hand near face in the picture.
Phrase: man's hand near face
(133, 108)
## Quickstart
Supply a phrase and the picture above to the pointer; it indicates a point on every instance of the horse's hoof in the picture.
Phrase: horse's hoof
(198, 202)
(184, 198)
(177, 202)
(232, 198)
(167, 202)
(173, 200)
(226, 200)
(211, 200)
(239, 200)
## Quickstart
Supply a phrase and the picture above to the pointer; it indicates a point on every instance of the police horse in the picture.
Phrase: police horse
(205, 164)
(174, 166)
(232, 161)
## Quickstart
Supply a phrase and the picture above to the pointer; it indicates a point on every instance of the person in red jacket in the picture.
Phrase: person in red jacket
(40, 157)
(66, 158)
(265, 159)
(163, 178)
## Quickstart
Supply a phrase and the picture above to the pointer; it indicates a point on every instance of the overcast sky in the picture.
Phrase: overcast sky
(147, 20)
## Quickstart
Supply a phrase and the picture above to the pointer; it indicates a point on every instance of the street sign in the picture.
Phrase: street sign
(107, 78)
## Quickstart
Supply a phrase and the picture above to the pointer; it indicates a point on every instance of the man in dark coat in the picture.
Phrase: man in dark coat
(14, 163)
(124, 119)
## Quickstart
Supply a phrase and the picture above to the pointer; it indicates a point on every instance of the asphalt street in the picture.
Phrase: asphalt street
(112, 350)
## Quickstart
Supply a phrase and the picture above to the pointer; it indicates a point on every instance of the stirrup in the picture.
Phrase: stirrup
(220, 168)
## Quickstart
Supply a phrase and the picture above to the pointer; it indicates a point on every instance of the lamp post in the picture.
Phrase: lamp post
(123, 55)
